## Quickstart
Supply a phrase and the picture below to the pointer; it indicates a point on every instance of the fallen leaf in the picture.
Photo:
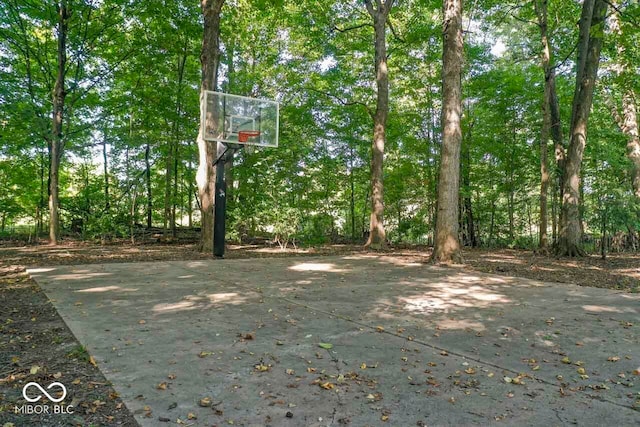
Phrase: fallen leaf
(204, 354)
(93, 361)
(327, 386)
(566, 360)
(262, 368)
(34, 370)
(311, 370)
(470, 371)
(385, 418)
(613, 359)
(76, 381)
(325, 345)
(363, 366)
(172, 376)
(57, 375)
(581, 371)
(508, 380)
(205, 402)
(379, 329)
(536, 368)
(192, 416)
(142, 322)
(290, 372)
(162, 386)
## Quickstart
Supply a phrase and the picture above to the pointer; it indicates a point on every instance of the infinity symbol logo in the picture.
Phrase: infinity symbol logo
(44, 392)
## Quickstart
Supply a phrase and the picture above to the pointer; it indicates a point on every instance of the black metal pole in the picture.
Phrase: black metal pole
(220, 210)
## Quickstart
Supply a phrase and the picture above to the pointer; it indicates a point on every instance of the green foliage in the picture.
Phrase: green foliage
(133, 88)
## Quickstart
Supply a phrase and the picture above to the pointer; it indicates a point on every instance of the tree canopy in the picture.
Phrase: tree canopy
(127, 142)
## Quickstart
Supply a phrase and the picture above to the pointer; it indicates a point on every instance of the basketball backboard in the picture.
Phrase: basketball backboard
(234, 119)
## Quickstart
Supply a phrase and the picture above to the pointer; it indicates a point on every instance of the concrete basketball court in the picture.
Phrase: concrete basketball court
(412, 344)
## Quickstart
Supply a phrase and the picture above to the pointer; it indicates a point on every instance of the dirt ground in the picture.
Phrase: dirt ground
(36, 345)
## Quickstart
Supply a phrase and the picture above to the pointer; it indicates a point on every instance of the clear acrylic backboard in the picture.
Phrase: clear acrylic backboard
(234, 119)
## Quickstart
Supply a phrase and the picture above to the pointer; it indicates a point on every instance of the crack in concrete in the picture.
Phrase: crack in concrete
(455, 353)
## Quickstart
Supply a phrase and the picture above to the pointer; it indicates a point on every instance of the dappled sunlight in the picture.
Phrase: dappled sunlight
(107, 289)
(542, 337)
(178, 306)
(633, 272)
(227, 298)
(453, 324)
(607, 309)
(197, 264)
(79, 276)
(502, 259)
(317, 266)
(40, 270)
(203, 302)
(400, 262)
(446, 297)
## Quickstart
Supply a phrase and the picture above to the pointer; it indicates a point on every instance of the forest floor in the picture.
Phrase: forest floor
(36, 345)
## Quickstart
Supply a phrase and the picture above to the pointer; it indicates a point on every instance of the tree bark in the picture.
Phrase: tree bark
(206, 175)
(380, 14)
(468, 205)
(589, 47)
(447, 244)
(550, 108)
(147, 150)
(57, 141)
(107, 204)
(628, 121)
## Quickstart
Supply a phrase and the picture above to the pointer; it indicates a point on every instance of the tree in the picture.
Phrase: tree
(57, 141)
(551, 124)
(380, 15)
(447, 244)
(589, 47)
(210, 61)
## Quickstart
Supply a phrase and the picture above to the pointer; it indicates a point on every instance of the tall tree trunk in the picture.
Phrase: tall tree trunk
(630, 128)
(147, 163)
(57, 141)
(168, 179)
(447, 244)
(41, 198)
(206, 175)
(589, 47)
(182, 61)
(628, 121)
(380, 14)
(468, 206)
(543, 240)
(107, 203)
(549, 93)
(552, 125)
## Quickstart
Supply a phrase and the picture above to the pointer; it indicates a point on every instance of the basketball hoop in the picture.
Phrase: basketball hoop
(244, 135)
